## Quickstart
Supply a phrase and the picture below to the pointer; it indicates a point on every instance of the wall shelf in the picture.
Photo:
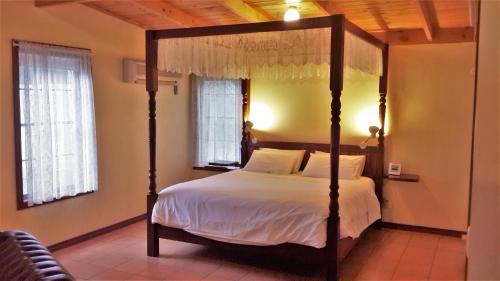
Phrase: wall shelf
(404, 177)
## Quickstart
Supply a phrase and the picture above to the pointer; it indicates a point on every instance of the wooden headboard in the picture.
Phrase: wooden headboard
(373, 166)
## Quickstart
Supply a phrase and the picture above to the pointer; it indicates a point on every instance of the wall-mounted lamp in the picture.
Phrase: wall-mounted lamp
(248, 131)
(373, 135)
(291, 14)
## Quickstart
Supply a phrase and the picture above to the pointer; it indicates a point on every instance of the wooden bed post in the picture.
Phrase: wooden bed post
(152, 87)
(336, 84)
(245, 92)
(381, 110)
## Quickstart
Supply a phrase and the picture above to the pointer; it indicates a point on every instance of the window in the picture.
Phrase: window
(55, 125)
(219, 120)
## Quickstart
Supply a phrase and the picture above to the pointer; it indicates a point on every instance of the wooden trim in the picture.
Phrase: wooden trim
(307, 23)
(95, 233)
(424, 229)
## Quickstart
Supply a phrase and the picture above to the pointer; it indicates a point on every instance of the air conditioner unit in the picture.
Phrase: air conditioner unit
(134, 71)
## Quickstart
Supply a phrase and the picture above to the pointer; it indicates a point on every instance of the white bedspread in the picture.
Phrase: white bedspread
(265, 209)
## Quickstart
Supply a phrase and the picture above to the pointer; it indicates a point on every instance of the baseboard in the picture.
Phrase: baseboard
(454, 233)
(95, 233)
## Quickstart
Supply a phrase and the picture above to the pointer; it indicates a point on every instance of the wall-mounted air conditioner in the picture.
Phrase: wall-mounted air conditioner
(134, 71)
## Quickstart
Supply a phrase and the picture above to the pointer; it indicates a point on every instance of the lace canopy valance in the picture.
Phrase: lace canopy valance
(284, 54)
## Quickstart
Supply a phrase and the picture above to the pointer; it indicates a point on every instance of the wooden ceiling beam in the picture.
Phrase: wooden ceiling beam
(245, 11)
(418, 36)
(375, 12)
(425, 12)
(170, 13)
(47, 3)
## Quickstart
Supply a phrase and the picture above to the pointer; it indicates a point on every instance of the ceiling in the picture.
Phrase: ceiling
(394, 21)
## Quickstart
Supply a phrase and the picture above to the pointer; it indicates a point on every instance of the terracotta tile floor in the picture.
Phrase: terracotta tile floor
(383, 254)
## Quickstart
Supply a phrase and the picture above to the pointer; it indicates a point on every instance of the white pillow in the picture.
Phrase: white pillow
(298, 154)
(270, 162)
(359, 161)
(318, 166)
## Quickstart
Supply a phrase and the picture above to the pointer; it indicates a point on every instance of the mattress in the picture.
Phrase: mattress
(251, 208)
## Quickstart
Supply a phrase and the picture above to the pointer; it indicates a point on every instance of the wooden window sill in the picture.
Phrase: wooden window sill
(24, 205)
(217, 168)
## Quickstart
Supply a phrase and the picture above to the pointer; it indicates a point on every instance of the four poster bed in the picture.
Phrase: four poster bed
(343, 37)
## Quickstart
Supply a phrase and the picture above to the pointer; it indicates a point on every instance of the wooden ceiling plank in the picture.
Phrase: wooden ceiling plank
(172, 14)
(328, 7)
(123, 18)
(245, 11)
(320, 8)
(426, 17)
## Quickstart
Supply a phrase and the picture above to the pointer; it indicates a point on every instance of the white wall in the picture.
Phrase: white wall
(483, 248)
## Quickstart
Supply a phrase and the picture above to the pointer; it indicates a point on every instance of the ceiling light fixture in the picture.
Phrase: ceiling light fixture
(291, 14)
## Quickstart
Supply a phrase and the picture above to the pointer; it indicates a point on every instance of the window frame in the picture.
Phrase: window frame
(20, 198)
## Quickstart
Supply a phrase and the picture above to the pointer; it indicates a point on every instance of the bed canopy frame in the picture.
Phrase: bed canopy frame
(338, 25)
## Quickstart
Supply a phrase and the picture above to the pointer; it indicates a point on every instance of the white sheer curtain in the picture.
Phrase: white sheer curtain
(276, 55)
(218, 119)
(58, 141)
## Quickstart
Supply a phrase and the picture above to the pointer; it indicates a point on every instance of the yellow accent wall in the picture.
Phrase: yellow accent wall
(429, 117)
(121, 121)
(299, 110)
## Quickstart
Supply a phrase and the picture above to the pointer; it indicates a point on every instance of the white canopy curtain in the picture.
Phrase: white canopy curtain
(58, 142)
(218, 119)
(278, 55)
